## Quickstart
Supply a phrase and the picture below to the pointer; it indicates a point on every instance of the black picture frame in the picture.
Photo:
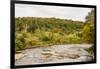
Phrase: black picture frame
(12, 29)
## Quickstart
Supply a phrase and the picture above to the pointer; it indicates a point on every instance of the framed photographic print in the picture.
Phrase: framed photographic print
(50, 34)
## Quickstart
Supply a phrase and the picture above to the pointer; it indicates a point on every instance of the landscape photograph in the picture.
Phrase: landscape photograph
(47, 34)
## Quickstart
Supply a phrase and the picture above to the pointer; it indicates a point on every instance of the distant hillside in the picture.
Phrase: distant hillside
(32, 23)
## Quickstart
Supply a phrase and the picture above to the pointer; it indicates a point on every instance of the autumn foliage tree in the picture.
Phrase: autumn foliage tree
(88, 28)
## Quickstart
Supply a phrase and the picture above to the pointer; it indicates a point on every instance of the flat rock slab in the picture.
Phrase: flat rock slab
(19, 55)
(54, 54)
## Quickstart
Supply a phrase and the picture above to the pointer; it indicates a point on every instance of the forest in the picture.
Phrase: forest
(33, 32)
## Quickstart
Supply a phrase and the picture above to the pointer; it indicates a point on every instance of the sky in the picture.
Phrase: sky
(45, 11)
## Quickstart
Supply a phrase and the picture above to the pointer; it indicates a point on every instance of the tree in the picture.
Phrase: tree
(88, 29)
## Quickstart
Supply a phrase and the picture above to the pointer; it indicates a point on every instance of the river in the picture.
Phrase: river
(55, 54)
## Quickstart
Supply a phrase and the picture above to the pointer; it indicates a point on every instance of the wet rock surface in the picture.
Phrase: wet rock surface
(55, 54)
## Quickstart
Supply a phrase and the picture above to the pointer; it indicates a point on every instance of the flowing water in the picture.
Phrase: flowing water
(55, 54)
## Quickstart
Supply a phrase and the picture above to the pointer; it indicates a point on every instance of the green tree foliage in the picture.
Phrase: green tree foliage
(36, 31)
(88, 28)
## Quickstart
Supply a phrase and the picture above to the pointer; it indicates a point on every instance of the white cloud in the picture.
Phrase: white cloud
(74, 13)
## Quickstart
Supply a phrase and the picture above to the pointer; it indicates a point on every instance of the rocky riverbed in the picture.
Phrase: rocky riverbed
(54, 54)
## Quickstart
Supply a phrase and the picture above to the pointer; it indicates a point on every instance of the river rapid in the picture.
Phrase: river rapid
(55, 54)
